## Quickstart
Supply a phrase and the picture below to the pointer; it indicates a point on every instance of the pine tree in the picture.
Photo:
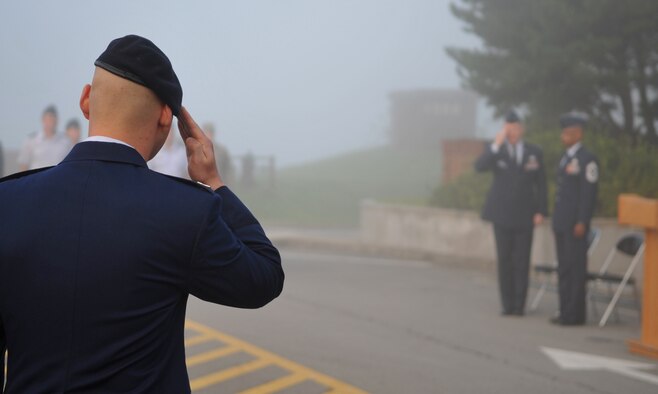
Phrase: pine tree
(552, 56)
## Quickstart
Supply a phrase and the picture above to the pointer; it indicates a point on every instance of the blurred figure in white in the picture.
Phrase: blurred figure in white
(171, 160)
(73, 131)
(222, 155)
(2, 161)
(47, 148)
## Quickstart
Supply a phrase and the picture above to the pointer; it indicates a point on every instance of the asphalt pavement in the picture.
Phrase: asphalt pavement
(404, 326)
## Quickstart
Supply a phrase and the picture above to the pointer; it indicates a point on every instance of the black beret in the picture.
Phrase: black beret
(572, 119)
(139, 60)
(512, 117)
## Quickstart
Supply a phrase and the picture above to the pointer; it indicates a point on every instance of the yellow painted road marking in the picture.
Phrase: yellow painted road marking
(276, 385)
(297, 373)
(197, 340)
(268, 358)
(226, 374)
(211, 355)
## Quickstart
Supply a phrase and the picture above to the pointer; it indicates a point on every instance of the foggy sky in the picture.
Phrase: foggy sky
(300, 79)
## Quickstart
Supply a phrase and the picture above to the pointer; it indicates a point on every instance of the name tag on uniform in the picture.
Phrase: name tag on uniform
(532, 164)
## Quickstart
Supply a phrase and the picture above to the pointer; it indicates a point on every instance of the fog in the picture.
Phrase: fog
(296, 79)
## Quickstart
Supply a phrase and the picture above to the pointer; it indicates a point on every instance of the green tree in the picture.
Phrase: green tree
(552, 56)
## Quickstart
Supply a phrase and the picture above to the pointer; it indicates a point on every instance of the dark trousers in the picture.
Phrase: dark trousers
(513, 248)
(572, 276)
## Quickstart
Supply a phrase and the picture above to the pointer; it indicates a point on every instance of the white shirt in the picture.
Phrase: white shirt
(39, 151)
(518, 150)
(102, 138)
(571, 152)
(573, 149)
(171, 160)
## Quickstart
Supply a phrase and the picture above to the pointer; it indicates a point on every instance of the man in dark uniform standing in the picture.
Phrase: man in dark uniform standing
(99, 254)
(577, 184)
(516, 202)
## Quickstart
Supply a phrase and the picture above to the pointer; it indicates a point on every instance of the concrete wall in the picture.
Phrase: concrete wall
(433, 230)
(463, 234)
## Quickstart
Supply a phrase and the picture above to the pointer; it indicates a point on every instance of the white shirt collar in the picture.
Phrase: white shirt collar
(518, 144)
(518, 150)
(102, 138)
(573, 149)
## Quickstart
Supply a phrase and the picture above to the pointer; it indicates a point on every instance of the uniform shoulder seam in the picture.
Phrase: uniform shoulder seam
(23, 174)
(188, 182)
(589, 155)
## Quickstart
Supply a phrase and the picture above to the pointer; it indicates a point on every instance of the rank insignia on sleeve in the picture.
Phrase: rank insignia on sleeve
(592, 172)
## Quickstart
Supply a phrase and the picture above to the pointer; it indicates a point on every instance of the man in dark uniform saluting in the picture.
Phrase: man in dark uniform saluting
(577, 184)
(99, 254)
(516, 202)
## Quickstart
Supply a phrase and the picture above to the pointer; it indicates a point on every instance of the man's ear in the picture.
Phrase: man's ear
(84, 100)
(166, 118)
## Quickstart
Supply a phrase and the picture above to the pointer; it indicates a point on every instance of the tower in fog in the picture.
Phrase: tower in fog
(423, 118)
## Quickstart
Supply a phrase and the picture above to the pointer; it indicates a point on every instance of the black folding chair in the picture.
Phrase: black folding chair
(632, 246)
(546, 271)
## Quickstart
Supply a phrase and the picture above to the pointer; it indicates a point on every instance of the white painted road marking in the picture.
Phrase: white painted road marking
(574, 361)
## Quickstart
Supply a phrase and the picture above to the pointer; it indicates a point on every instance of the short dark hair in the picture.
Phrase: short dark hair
(50, 110)
(72, 124)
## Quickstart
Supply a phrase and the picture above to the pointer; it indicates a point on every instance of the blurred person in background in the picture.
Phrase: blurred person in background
(515, 204)
(47, 148)
(73, 131)
(575, 198)
(248, 178)
(171, 159)
(222, 155)
(2, 161)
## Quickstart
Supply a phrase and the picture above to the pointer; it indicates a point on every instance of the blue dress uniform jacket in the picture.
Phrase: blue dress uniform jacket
(577, 185)
(518, 192)
(97, 257)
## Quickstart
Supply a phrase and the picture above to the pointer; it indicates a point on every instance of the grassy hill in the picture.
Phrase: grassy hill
(327, 192)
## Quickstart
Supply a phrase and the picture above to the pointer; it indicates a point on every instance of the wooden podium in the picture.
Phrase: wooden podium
(643, 212)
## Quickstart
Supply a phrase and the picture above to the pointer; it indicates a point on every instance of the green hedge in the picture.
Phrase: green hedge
(466, 192)
(625, 167)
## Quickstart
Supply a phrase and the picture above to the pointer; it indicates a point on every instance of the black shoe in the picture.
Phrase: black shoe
(555, 320)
